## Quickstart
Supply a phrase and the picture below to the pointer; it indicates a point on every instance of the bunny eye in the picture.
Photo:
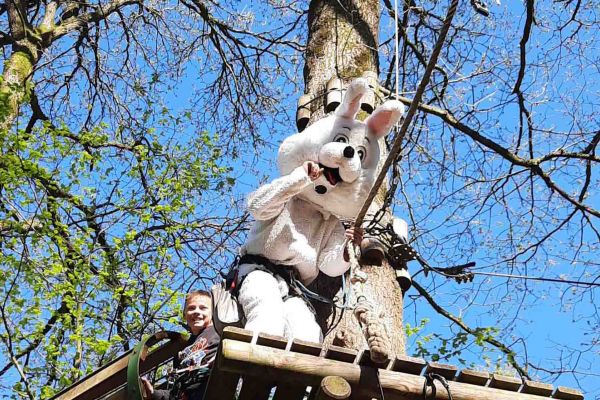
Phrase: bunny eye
(341, 139)
(362, 153)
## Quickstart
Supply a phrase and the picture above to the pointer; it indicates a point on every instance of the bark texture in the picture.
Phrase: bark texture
(342, 43)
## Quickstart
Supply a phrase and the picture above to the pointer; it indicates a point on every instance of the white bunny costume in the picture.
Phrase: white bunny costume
(298, 220)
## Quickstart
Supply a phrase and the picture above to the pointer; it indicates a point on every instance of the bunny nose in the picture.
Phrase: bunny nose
(349, 152)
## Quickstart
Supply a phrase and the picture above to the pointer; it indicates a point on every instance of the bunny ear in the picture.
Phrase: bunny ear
(351, 103)
(384, 117)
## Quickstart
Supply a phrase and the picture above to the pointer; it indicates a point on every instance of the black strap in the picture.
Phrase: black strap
(189, 380)
(287, 273)
(429, 382)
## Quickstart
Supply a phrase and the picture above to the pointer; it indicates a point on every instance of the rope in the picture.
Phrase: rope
(397, 38)
(411, 111)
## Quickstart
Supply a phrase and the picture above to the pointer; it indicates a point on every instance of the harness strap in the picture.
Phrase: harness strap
(288, 274)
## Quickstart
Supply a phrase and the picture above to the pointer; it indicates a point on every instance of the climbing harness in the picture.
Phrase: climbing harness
(430, 379)
(287, 273)
(187, 379)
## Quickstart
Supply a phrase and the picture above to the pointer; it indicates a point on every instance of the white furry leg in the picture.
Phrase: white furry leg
(260, 297)
(301, 323)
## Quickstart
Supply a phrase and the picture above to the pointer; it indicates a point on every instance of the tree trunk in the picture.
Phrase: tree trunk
(13, 86)
(342, 43)
(17, 71)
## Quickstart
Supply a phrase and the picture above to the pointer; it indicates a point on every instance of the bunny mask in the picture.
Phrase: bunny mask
(347, 149)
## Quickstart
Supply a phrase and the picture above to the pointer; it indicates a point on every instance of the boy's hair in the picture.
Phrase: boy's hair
(193, 294)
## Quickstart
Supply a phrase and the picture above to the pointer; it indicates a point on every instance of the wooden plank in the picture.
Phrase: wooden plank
(446, 370)
(566, 393)
(119, 394)
(235, 333)
(99, 382)
(285, 367)
(340, 354)
(114, 374)
(291, 391)
(254, 388)
(505, 382)
(479, 378)
(304, 347)
(277, 342)
(538, 388)
(408, 365)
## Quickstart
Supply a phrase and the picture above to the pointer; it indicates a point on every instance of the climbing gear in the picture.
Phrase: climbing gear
(187, 379)
(429, 382)
(480, 7)
(287, 273)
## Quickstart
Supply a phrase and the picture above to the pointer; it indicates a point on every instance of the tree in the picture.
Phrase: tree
(98, 205)
(106, 216)
(342, 43)
(516, 195)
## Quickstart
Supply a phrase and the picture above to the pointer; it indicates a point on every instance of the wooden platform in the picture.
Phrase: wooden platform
(294, 371)
(272, 368)
(109, 381)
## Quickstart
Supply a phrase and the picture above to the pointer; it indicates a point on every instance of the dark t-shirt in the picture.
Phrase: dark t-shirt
(200, 352)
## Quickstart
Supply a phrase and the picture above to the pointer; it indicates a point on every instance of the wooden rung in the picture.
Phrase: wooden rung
(368, 100)
(255, 389)
(537, 388)
(505, 382)
(304, 347)
(303, 112)
(293, 368)
(276, 342)
(289, 392)
(235, 333)
(446, 370)
(566, 393)
(479, 378)
(334, 94)
(364, 359)
(340, 354)
(409, 365)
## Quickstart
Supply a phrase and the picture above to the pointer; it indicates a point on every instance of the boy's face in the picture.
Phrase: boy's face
(198, 313)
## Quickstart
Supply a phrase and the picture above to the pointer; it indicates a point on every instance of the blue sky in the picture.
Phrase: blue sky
(547, 326)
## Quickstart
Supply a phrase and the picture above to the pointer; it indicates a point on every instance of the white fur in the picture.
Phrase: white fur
(300, 227)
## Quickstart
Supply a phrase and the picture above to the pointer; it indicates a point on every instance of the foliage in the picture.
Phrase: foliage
(99, 234)
(116, 177)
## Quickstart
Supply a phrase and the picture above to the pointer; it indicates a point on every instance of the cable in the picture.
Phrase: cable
(462, 273)
(538, 278)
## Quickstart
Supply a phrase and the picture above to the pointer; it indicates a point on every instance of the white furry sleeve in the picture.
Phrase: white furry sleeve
(268, 200)
(331, 259)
